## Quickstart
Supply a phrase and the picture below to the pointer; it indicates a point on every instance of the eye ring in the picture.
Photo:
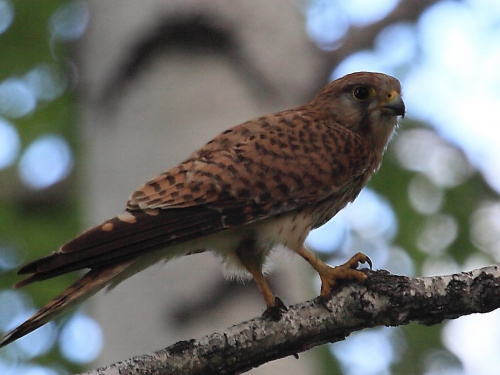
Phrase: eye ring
(361, 92)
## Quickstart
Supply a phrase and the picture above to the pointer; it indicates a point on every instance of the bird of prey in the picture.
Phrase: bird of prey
(263, 183)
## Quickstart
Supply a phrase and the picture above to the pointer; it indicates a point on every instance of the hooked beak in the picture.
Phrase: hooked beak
(394, 105)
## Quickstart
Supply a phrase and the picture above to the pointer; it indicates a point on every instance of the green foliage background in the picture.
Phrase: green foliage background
(35, 223)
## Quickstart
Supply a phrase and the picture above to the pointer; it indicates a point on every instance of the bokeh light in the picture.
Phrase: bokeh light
(10, 143)
(438, 232)
(46, 161)
(12, 303)
(474, 339)
(485, 228)
(440, 265)
(399, 262)
(369, 217)
(397, 44)
(422, 150)
(442, 362)
(29, 369)
(81, 339)
(6, 14)
(325, 23)
(16, 307)
(46, 81)
(369, 352)
(373, 11)
(70, 21)
(425, 197)
(358, 62)
(368, 224)
(16, 98)
(37, 342)
(11, 255)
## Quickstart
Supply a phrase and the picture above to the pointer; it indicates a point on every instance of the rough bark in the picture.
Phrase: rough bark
(384, 299)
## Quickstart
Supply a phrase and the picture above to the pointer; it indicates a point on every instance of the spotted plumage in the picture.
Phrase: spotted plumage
(260, 184)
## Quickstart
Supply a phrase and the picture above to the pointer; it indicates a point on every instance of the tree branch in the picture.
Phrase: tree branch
(383, 300)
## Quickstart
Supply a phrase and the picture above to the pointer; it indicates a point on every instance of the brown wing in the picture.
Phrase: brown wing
(261, 168)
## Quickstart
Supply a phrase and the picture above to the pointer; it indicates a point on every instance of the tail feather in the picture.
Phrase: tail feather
(126, 237)
(89, 284)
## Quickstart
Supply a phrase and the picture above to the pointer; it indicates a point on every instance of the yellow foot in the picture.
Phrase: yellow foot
(329, 275)
(346, 271)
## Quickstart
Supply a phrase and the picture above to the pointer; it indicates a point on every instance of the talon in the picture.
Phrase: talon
(357, 259)
(369, 261)
(276, 311)
(360, 258)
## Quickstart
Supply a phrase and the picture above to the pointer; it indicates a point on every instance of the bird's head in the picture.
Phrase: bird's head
(366, 103)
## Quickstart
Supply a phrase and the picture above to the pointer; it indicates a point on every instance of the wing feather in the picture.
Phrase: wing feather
(262, 166)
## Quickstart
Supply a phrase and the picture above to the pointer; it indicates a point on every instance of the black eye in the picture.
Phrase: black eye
(361, 92)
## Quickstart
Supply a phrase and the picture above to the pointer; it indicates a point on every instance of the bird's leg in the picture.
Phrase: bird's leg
(275, 307)
(330, 275)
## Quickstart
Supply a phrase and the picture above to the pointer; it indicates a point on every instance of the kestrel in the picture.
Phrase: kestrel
(261, 184)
